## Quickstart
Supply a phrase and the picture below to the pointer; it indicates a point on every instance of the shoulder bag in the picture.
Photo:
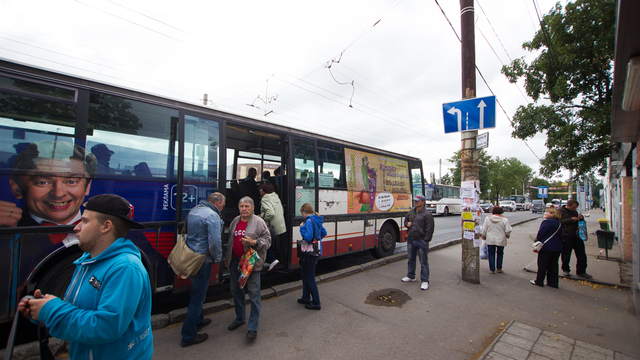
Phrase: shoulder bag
(537, 246)
(306, 248)
(182, 259)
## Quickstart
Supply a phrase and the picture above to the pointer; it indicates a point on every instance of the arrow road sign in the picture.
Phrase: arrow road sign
(472, 114)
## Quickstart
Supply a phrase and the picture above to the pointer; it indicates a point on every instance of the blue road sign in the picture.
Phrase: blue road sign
(543, 192)
(472, 114)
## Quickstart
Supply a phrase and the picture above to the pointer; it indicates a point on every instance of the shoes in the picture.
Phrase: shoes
(566, 273)
(234, 325)
(252, 334)
(425, 285)
(407, 279)
(196, 340)
(312, 307)
(499, 271)
(491, 272)
(205, 323)
(305, 302)
(273, 264)
(585, 275)
(534, 283)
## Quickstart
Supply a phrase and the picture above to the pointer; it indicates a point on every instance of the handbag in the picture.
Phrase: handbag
(306, 248)
(245, 266)
(183, 261)
(537, 246)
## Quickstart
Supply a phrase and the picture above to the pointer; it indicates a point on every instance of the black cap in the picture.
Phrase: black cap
(114, 205)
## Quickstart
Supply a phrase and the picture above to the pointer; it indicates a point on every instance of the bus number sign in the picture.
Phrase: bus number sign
(189, 197)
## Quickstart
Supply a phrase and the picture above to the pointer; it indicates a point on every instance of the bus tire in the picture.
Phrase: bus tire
(57, 278)
(387, 238)
(446, 211)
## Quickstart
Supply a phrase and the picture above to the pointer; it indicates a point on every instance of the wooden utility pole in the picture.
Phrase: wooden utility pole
(469, 154)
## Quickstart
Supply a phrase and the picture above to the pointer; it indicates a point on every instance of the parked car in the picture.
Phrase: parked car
(555, 203)
(563, 203)
(537, 206)
(508, 205)
(487, 207)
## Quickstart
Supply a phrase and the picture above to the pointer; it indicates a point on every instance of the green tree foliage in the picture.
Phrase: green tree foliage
(574, 72)
(483, 164)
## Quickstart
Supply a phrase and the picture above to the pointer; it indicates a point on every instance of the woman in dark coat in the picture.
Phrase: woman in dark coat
(550, 233)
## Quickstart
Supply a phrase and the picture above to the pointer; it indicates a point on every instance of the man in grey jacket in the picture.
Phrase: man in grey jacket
(420, 226)
(204, 229)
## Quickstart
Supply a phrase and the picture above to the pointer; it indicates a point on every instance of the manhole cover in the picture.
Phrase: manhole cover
(388, 297)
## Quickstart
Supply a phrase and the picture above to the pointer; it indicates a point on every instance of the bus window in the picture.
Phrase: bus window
(131, 138)
(304, 173)
(329, 166)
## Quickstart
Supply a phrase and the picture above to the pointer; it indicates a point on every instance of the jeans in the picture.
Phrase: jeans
(492, 256)
(548, 266)
(421, 249)
(253, 287)
(195, 314)
(573, 243)
(308, 275)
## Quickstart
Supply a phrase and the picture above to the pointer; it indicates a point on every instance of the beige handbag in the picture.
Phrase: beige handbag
(183, 260)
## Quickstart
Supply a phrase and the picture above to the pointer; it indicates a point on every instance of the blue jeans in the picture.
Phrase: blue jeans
(195, 314)
(253, 287)
(308, 275)
(492, 257)
(421, 249)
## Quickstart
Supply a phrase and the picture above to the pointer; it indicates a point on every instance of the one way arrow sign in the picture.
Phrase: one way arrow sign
(472, 114)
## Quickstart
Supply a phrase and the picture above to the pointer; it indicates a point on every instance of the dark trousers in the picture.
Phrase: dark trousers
(195, 313)
(548, 266)
(309, 285)
(569, 244)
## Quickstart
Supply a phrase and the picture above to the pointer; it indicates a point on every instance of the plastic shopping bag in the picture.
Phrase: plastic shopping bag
(582, 230)
(245, 266)
(484, 251)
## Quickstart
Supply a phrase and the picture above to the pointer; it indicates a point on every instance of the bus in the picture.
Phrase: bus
(443, 199)
(65, 139)
(523, 202)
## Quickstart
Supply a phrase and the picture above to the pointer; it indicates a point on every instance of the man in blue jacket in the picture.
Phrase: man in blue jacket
(204, 229)
(106, 311)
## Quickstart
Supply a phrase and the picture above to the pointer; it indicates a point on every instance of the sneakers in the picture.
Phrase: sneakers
(425, 285)
(585, 275)
(273, 264)
(196, 340)
(566, 273)
(408, 279)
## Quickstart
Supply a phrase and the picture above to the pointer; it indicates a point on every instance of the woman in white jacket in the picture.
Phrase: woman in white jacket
(496, 230)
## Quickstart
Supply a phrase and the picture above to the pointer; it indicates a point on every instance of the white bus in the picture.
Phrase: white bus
(443, 199)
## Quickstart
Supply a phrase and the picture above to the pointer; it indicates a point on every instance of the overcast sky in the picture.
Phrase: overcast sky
(402, 57)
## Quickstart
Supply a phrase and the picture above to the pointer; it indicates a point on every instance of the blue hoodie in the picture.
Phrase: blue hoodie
(313, 224)
(106, 312)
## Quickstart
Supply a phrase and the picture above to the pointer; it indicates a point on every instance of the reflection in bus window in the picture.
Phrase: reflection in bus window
(132, 138)
(329, 166)
(202, 141)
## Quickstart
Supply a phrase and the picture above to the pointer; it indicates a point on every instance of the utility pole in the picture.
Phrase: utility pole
(468, 153)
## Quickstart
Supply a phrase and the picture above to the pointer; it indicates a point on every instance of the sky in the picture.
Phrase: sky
(374, 72)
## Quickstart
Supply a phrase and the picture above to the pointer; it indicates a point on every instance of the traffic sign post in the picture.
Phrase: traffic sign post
(543, 192)
(471, 114)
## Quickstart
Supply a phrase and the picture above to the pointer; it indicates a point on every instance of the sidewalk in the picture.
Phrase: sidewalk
(367, 312)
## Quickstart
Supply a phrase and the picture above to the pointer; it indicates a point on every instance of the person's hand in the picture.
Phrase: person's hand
(10, 214)
(580, 217)
(302, 223)
(409, 224)
(226, 263)
(484, 237)
(35, 305)
(575, 218)
(247, 241)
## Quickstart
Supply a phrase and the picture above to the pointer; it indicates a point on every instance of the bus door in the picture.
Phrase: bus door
(198, 169)
(252, 150)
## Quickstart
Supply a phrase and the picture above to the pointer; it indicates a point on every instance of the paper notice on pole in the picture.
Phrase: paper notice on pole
(469, 225)
(470, 235)
(467, 216)
(468, 185)
(467, 193)
(476, 242)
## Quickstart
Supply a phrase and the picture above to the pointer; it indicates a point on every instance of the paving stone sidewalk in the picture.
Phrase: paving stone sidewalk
(521, 341)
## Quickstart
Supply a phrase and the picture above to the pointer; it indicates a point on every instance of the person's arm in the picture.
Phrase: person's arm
(306, 230)
(214, 237)
(484, 228)
(120, 293)
(267, 210)
(429, 226)
(508, 229)
(263, 241)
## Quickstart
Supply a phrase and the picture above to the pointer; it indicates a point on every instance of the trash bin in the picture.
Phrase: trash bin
(605, 239)
(604, 224)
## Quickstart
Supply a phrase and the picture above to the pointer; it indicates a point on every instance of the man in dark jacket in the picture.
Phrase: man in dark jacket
(571, 241)
(420, 226)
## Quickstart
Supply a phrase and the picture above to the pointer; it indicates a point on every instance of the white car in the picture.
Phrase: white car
(508, 205)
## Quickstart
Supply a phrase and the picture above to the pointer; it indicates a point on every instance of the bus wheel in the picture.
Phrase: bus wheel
(446, 211)
(56, 280)
(386, 242)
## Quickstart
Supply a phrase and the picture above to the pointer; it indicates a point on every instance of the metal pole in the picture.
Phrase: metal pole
(468, 153)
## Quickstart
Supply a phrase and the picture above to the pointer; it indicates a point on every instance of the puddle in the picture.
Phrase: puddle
(388, 297)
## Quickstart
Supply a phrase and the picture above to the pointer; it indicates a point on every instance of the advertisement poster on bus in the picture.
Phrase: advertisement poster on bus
(376, 183)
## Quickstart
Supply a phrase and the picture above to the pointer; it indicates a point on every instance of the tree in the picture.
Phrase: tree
(506, 174)
(447, 179)
(483, 163)
(574, 72)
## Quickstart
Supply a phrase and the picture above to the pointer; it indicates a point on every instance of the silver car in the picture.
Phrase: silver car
(508, 205)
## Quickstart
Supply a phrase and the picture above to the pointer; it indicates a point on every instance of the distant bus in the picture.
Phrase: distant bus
(165, 156)
(523, 202)
(443, 199)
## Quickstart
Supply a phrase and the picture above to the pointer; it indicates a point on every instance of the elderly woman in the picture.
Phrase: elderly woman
(550, 234)
(496, 230)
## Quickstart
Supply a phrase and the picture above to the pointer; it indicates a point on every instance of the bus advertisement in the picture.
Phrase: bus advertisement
(65, 139)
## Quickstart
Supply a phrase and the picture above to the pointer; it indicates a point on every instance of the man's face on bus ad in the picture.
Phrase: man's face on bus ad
(55, 190)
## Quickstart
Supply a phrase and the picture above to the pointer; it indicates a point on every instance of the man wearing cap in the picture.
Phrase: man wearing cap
(420, 226)
(103, 155)
(106, 311)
